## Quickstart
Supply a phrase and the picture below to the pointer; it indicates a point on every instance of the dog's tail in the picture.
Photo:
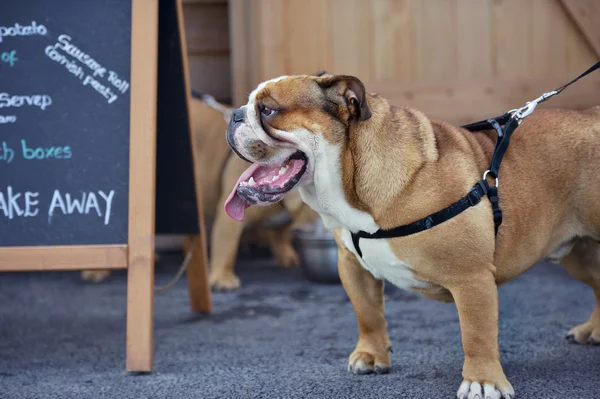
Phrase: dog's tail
(198, 94)
(211, 102)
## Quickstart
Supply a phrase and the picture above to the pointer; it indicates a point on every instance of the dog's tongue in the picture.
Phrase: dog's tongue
(235, 206)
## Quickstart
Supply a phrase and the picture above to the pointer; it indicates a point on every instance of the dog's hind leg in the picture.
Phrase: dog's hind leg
(583, 263)
(372, 352)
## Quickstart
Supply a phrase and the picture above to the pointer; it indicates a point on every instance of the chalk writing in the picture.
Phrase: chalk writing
(8, 119)
(120, 84)
(100, 88)
(22, 30)
(7, 154)
(26, 204)
(45, 152)
(70, 65)
(42, 101)
(84, 204)
(18, 204)
(65, 44)
(9, 57)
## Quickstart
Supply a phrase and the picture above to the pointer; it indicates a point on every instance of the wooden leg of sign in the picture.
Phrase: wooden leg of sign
(197, 275)
(197, 272)
(142, 185)
(140, 311)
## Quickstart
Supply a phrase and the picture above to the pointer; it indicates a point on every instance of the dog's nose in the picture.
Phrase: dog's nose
(238, 116)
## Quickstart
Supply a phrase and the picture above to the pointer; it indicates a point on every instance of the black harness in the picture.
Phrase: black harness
(504, 125)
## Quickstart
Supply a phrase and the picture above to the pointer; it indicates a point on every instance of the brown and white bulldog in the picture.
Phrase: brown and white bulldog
(364, 164)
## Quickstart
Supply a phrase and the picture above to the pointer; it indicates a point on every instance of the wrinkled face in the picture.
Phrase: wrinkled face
(290, 130)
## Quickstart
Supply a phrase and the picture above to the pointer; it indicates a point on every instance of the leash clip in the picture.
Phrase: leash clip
(521, 113)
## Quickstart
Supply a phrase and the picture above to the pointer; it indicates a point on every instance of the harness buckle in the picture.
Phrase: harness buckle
(474, 196)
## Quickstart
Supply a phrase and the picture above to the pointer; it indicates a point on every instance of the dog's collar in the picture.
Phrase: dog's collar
(510, 121)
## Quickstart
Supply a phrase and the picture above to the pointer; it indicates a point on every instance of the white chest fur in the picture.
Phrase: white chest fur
(379, 259)
(327, 197)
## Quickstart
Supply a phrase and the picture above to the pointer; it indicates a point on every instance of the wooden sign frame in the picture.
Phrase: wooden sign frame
(137, 256)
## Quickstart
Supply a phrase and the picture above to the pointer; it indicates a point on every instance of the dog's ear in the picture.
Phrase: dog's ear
(349, 91)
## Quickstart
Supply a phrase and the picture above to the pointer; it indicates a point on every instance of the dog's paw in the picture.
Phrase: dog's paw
(476, 390)
(287, 258)
(585, 334)
(95, 276)
(367, 363)
(224, 282)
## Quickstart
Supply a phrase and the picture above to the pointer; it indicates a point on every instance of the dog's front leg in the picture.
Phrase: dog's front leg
(476, 299)
(372, 352)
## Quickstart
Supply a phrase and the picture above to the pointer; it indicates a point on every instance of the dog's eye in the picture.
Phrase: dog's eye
(266, 111)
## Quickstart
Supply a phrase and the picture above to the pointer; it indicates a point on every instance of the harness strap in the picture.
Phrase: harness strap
(486, 124)
(474, 196)
(510, 120)
(501, 146)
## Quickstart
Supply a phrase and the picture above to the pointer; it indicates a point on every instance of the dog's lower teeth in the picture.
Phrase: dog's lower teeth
(251, 182)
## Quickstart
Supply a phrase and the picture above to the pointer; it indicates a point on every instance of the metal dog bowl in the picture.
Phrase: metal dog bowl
(318, 254)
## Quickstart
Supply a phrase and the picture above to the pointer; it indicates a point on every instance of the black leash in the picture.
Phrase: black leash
(504, 125)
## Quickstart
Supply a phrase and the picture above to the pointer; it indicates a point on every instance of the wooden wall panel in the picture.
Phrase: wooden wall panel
(211, 75)
(586, 14)
(351, 50)
(435, 41)
(207, 28)
(391, 35)
(416, 44)
(474, 44)
(208, 46)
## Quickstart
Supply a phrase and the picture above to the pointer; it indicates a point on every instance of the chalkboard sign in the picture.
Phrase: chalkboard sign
(78, 146)
(64, 122)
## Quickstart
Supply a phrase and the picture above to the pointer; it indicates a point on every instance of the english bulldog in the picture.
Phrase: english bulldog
(364, 164)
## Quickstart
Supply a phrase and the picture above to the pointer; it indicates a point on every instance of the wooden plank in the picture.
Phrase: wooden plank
(392, 40)
(550, 39)
(511, 30)
(435, 55)
(90, 257)
(304, 53)
(474, 39)
(239, 61)
(351, 35)
(211, 74)
(580, 54)
(272, 41)
(197, 271)
(206, 28)
(586, 14)
(142, 178)
(464, 102)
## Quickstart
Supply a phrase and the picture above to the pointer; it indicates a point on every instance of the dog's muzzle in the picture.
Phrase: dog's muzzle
(237, 118)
